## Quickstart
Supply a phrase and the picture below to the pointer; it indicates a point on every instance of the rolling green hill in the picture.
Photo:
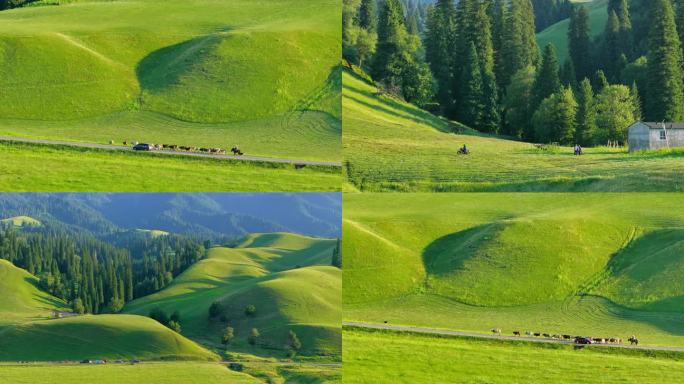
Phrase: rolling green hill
(96, 337)
(287, 277)
(261, 74)
(598, 264)
(390, 145)
(557, 34)
(21, 299)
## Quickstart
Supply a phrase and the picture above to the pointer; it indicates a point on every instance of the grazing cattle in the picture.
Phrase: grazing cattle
(205, 150)
(599, 340)
(125, 143)
(173, 147)
(385, 321)
(528, 333)
(496, 331)
(516, 333)
(557, 336)
(185, 148)
(537, 334)
(300, 166)
(546, 335)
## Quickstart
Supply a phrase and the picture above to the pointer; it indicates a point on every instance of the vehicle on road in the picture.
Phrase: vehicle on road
(143, 147)
(583, 340)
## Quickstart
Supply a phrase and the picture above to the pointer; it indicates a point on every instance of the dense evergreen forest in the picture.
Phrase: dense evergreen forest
(96, 276)
(477, 62)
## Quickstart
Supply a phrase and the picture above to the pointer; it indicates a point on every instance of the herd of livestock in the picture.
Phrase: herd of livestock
(576, 339)
(180, 148)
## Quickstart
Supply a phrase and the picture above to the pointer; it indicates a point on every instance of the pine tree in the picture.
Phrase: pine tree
(471, 95)
(679, 11)
(567, 74)
(391, 45)
(367, 17)
(611, 47)
(636, 98)
(520, 44)
(585, 121)
(579, 42)
(547, 81)
(439, 49)
(499, 12)
(490, 118)
(665, 90)
(599, 81)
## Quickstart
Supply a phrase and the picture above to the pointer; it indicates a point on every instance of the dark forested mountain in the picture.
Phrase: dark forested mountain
(549, 12)
(209, 214)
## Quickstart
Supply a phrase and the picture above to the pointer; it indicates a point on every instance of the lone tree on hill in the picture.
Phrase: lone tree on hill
(228, 335)
(293, 342)
(174, 326)
(253, 336)
(250, 310)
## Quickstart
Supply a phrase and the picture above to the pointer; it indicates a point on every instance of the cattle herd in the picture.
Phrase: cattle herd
(576, 339)
(180, 148)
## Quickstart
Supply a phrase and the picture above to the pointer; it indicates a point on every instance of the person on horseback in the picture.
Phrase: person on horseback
(464, 150)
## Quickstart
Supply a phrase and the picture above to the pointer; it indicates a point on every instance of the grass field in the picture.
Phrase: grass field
(384, 357)
(287, 277)
(390, 145)
(557, 34)
(149, 373)
(598, 264)
(262, 74)
(36, 168)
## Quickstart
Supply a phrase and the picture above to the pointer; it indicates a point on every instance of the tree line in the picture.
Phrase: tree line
(92, 275)
(478, 62)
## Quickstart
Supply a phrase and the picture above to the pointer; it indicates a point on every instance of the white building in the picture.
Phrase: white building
(646, 136)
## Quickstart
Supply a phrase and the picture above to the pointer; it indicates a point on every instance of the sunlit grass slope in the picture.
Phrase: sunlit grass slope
(96, 337)
(557, 34)
(35, 168)
(287, 277)
(155, 373)
(21, 221)
(606, 264)
(21, 299)
(262, 74)
(383, 357)
(390, 145)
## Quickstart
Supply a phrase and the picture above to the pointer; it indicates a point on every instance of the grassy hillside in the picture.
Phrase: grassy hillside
(21, 299)
(600, 264)
(557, 34)
(33, 168)
(157, 373)
(383, 357)
(262, 74)
(96, 337)
(390, 145)
(21, 221)
(287, 277)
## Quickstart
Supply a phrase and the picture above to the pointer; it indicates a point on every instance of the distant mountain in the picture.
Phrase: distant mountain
(217, 214)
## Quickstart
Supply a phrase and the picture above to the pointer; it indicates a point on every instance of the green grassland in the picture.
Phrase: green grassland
(21, 299)
(557, 34)
(36, 168)
(601, 264)
(151, 373)
(385, 357)
(27, 331)
(262, 74)
(390, 145)
(287, 277)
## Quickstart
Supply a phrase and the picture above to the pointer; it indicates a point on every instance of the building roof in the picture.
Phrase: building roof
(668, 125)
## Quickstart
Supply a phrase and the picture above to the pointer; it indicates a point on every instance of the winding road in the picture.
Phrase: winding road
(173, 153)
(434, 331)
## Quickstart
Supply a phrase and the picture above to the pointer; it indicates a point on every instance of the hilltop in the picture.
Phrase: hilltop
(21, 221)
(287, 277)
(22, 299)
